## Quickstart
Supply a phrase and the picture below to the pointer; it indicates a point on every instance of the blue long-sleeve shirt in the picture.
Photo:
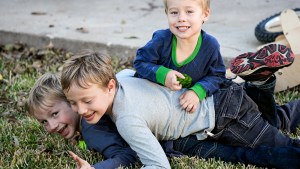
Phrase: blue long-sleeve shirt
(206, 69)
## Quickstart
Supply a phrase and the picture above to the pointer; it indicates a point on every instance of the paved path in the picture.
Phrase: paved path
(120, 26)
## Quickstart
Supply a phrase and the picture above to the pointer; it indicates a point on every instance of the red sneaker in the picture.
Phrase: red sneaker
(263, 63)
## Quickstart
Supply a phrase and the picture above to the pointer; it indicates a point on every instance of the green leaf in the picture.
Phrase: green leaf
(186, 82)
(82, 145)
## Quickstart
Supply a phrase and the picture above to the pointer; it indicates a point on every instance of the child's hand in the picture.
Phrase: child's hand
(171, 80)
(81, 163)
(186, 82)
(189, 101)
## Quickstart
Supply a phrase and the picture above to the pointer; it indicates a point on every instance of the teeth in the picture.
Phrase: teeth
(59, 131)
(183, 27)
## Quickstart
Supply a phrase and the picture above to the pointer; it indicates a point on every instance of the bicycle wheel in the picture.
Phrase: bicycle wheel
(268, 29)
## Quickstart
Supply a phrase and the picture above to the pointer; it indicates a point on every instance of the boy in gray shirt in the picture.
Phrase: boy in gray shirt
(144, 111)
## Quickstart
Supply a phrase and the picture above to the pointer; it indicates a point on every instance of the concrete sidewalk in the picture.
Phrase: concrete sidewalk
(120, 27)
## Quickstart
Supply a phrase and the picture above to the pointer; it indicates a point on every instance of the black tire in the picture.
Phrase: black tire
(262, 31)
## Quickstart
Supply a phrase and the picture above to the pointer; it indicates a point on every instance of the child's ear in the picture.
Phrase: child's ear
(111, 84)
(206, 15)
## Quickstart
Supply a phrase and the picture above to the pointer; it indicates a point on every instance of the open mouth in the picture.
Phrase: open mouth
(62, 129)
(89, 117)
(182, 28)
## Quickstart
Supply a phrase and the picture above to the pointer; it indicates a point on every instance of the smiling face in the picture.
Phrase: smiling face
(59, 118)
(91, 101)
(185, 18)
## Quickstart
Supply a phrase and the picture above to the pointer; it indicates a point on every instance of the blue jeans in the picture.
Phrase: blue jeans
(284, 117)
(239, 121)
(265, 156)
(262, 156)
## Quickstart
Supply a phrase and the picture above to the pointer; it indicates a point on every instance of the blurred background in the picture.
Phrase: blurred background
(120, 27)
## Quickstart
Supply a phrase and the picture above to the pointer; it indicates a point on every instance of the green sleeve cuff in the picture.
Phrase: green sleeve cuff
(161, 74)
(199, 90)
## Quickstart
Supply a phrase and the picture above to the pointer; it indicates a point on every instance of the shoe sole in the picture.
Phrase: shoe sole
(271, 56)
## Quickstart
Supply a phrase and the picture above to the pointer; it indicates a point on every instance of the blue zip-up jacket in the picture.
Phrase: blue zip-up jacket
(206, 69)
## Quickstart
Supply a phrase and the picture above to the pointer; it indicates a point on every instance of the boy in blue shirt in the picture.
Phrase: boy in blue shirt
(184, 48)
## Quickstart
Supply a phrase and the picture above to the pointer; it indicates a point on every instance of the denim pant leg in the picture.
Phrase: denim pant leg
(239, 122)
(285, 117)
(263, 96)
(289, 116)
(262, 156)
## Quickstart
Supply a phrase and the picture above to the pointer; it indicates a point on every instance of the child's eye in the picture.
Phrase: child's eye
(173, 13)
(88, 102)
(43, 122)
(55, 114)
(189, 12)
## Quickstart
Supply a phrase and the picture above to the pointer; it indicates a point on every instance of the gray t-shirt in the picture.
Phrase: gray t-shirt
(144, 112)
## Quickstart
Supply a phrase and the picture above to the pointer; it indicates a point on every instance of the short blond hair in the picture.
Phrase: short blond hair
(87, 66)
(46, 90)
(204, 3)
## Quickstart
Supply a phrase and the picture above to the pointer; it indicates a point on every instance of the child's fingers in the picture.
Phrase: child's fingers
(180, 75)
(181, 99)
(177, 87)
(175, 81)
(184, 104)
(189, 107)
(193, 109)
(80, 162)
(73, 155)
(187, 104)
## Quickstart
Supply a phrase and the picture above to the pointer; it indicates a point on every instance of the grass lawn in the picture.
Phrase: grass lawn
(25, 144)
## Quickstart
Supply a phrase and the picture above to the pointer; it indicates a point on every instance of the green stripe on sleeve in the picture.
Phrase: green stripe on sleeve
(161, 74)
(199, 90)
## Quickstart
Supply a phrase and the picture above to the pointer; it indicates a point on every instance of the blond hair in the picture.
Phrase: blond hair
(46, 90)
(204, 3)
(87, 66)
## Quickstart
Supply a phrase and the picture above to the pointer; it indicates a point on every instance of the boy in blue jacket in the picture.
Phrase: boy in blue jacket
(184, 48)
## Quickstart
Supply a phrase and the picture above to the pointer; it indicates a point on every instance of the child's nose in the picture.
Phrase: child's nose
(81, 109)
(182, 17)
(53, 126)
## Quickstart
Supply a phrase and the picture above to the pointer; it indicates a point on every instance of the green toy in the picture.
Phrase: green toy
(186, 82)
(82, 145)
